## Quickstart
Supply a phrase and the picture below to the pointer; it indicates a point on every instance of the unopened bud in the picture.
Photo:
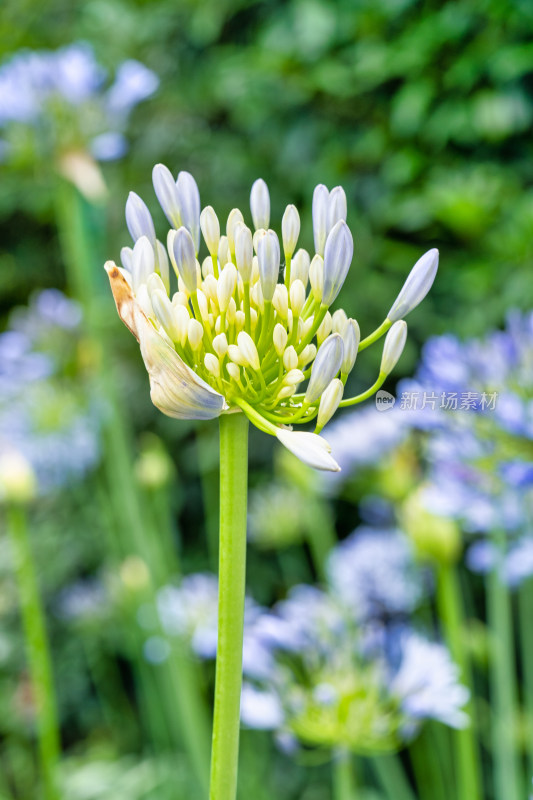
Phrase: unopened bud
(165, 313)
(237, 356)
(339, 321)
(418, 283)
(195, 333)
(280, 300)
(337, 259)
(320, 217)
(162, 264)
(297, 295)
(235, 217)
(143, 262)
(324, 328)
(325, 367)
(244, 253)
(290, 358)
(212, 364)
(210, 229)
(290, 230)
(138, 219)
(307, 355)
(337, 206)
(393, 347)
(300, 267)
(167, 193)
(260, 204)
(233, 369)
(316, 277)
(189, 201)
(268, 256)
(223, 251)
(293, 377)
(226, 285)
(220, 344)
(329, 402)
(185, 258)
(279, 337)
(249, 350)
(351, 338)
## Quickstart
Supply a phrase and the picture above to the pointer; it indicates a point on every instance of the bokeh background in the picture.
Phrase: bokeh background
(423, 112)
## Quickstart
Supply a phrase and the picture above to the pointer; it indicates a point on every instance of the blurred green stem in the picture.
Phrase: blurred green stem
(232, 576)
(37, 650)
(503, 683)
(525, 600)
(451, 613)
(343, 776)
(391, 775)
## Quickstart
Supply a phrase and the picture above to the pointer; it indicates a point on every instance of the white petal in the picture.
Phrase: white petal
(174, 388)
(310, 448)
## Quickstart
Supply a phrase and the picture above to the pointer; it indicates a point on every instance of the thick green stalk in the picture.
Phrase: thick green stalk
(37, 650)
(343, 776)
(232, 574)
(451, 614)
(507, 784)
(525, 601)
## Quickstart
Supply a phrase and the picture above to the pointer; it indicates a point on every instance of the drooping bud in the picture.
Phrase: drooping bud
(268, 256)
(138, 219)
(260, 204)
(167, 194)
(244, 253)
(142, 262)
(337, 259)
(249, 350)
(393, 347)
(320, 217)
(185, 257)
(418, 283)
(290, 230)
(210, 229)
(325, 367)
(279, 337)
(337, 207)
(329, 402)
(313, 450)
(189, 203)
(351, 338)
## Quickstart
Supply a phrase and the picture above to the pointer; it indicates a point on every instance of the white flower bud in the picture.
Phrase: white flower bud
(162, 264)
(393, 347)
(300, 267)
(167, 194)
(237, 356)
(240, 320)
(143, 262)
(210, 229)
(280, 300)
(257, 298)
(165, 313)
(290, 230)
(210, 286)
(212, 364)
(143, 299)
(329, 402)
(231, 311)
(313, 450)
(279, 337)
(339, 320)
(325, 367)
(337, 206)
(220, 344)
(306, 356)
(290, 358)
(195, 333)
(337, 259)
(182, 318)
(180, 299)
(324, 328)
(297, 295)
(249, 350)
(226, 285)
(235, 216)
(189, 202)
(255, 270)
(244, 253)
(260, 204)
(293, 377)
(155, 284)
(185, 258)
(351, 338)
(207, 267)
(286, 391)
(418, 283)
(316, 277)
(320, 217)
(223, 251)
(139, 219)
(234, 370)
(203, 305)
(268, 257)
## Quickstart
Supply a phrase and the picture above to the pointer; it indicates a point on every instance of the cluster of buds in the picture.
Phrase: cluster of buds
(245, 328)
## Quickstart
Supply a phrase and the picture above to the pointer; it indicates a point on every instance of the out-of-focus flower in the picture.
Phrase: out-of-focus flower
(374, 573)
(243, 331)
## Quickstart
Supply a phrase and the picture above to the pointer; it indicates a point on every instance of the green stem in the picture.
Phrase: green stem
(502, 684)
(525, 601)
(392, 778)
(452, 616)
(343, 776)
(375, 335)
(37, 650)
(232, 573)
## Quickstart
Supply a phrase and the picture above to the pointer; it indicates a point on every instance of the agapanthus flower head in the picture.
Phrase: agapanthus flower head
(250, 322)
